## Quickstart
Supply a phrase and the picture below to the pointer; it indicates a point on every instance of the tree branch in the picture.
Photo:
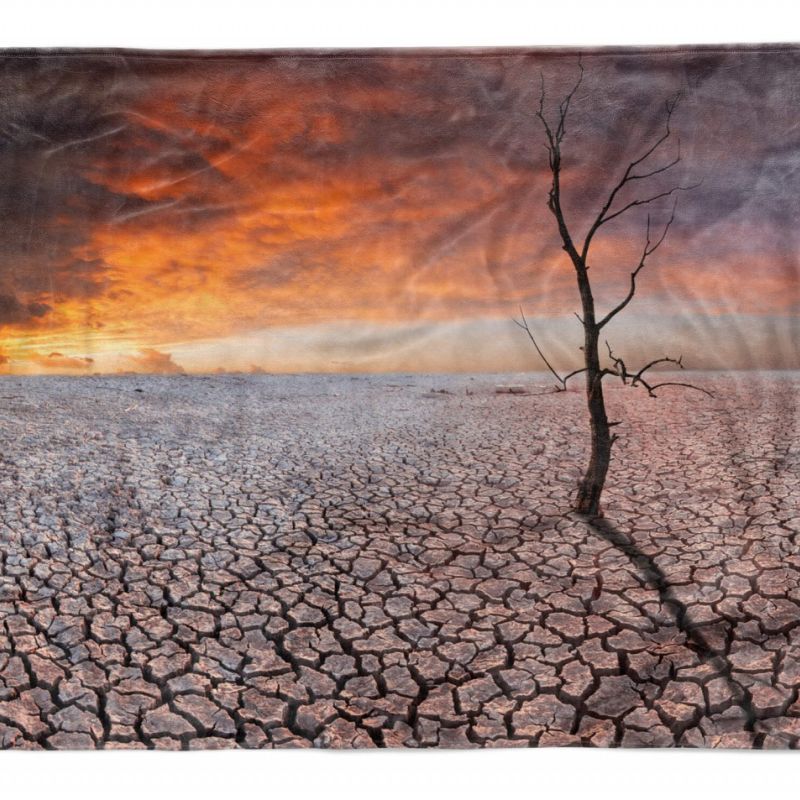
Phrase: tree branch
(647, 200)
(553, 146)
(562, 387)
(629, 378)
(630, 175)
(563, 108)
(649, 248)
(652, 389)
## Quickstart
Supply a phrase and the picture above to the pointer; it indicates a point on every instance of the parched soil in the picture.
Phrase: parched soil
(256, 561)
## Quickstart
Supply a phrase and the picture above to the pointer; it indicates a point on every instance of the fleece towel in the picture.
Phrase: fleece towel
(438, 398)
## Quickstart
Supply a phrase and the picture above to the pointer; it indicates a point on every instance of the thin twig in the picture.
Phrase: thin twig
(524, 325)
(649, 248)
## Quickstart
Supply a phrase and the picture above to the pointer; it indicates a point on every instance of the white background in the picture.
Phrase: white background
(490, 775)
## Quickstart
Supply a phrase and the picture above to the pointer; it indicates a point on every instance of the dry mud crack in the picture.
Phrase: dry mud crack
(192, 562)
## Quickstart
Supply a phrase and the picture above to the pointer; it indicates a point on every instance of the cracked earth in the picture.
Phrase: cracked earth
(198, 562)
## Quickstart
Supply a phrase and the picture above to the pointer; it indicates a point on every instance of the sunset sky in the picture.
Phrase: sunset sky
(384, 212)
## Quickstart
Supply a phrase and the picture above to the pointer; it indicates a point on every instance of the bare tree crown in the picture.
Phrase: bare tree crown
(611, 209)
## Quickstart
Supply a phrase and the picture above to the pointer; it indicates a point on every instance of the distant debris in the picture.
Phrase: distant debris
(441, 391)
(510, 389)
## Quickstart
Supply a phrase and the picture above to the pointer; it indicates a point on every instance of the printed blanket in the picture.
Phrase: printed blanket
(400, 398)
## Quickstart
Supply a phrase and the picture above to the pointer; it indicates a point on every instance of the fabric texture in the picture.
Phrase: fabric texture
(400, 398)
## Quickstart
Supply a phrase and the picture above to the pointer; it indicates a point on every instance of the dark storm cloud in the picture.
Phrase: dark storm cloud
(61, 121)
(13, 310)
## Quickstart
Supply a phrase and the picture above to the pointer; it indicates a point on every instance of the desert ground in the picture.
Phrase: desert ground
(361, 561)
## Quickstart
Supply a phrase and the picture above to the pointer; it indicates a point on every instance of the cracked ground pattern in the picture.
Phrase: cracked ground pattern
(198, 562)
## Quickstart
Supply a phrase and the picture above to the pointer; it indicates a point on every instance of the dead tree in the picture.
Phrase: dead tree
(615, 205)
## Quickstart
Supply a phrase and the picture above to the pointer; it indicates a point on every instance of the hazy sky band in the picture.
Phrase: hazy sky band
(157, 212)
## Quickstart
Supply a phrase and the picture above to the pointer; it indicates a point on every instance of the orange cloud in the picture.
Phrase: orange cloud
(61, 362)
(149, 360)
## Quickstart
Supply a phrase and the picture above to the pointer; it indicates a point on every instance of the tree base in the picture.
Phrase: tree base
(588, 502)
(595, 512)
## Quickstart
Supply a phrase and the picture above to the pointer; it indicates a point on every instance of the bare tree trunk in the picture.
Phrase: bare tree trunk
(591, 487)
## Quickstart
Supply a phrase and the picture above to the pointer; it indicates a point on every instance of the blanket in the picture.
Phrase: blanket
(412, 398)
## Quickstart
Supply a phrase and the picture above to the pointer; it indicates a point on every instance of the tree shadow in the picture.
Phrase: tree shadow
(696, 641)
